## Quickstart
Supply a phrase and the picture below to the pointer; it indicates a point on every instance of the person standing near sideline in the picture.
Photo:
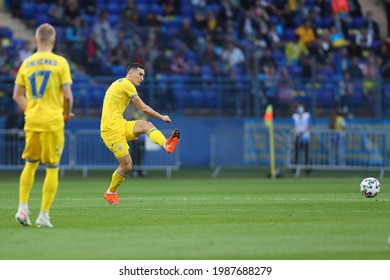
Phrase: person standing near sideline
(301, 133)
(43, 91)
(116, 131)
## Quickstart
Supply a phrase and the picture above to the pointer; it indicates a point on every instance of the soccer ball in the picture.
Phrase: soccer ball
(370, 187)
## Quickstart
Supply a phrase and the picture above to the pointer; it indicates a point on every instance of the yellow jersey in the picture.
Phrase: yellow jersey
(116, 100)
(43, 74)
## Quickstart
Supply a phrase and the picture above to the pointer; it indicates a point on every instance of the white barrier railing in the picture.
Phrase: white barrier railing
(353, 150)
(84, 150)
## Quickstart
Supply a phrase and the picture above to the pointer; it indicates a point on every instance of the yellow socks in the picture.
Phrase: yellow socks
(27, 180)
(50, 186)
(156, 136)
(117, 179)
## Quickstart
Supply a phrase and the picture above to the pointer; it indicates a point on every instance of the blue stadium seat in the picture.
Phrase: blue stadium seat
(156, 9)
(118, 70)
(41, 18)
(28, 10)
(143, 9)
(42, 8)
(114, 20)
(6, 32)
(114, 8)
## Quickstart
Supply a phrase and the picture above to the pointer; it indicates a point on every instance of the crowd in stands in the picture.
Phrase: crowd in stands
(277, 41)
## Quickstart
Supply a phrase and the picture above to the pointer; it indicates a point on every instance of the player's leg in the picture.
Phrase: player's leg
(120, 149)
(52, 147)
(156, 136)
(31, 154)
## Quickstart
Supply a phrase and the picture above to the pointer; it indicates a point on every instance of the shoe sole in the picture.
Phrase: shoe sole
(175, 138)
(23, 221)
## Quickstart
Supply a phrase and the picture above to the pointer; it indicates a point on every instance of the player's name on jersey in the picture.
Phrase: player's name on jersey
(42, 61)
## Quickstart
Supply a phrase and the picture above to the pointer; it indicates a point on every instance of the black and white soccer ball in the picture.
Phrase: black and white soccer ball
(370, 187)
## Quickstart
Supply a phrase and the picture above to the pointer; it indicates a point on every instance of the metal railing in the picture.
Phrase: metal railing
(84, 150)
(328, 150)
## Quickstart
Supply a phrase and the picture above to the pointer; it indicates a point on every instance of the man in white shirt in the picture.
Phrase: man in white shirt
(301, 135)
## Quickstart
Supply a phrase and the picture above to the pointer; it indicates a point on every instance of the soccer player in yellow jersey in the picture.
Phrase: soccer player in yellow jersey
(43, 90)
(116, 131)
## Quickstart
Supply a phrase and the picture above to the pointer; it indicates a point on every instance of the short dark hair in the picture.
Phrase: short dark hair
(135, 66)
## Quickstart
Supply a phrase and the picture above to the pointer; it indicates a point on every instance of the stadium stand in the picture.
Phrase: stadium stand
(317, 31)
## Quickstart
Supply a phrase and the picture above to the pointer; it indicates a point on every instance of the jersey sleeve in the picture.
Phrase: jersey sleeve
(66, 78)
(20, 76)
(131, 91)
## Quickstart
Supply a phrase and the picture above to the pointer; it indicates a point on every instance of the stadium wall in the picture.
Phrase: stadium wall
(195, 145)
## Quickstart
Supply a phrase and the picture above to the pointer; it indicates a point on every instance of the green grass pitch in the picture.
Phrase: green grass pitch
(201, 219)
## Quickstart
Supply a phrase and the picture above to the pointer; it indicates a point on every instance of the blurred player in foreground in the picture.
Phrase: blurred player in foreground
(116, 131)
(43, 91)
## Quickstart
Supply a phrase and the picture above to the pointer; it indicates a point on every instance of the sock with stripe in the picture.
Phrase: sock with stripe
(116, 180)
(156, 136)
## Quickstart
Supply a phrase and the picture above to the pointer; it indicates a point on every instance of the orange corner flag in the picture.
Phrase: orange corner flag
(268, 115)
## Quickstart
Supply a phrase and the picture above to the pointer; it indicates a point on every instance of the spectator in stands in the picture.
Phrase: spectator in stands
(342, 60)
(227, 13)
(75, 41)
(294, 50)
(339, 6)
(274, 39)
(103, 34)
(267, 61)
(306, 65)
(370, 81)
(163, 40)
(372, 26)
(306, 33)
(5, 63)
(249, 26)
(301, 133)
(91, 55)
(118, 55)
(135, 43)
(280, 9)
(355, 69)
(346, 90)
(200, 13)
(171, 7)
(179, 65)
(186, 34)
(364, 41)
(321, 7)
(355, 9)
(161, 64)
(384, 60)
(72, 13)
(57, 13)
(340, 25)
(232, 56)
(285, 89)
(129, 17)
(25, 51)
(152, 20)
(321, 48)
(88, 7)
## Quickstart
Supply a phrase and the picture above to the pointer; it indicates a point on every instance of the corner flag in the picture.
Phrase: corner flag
(268, 116)
(269, 122)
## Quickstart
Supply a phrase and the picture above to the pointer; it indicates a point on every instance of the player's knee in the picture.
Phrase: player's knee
(125, 168)
(148, 126)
